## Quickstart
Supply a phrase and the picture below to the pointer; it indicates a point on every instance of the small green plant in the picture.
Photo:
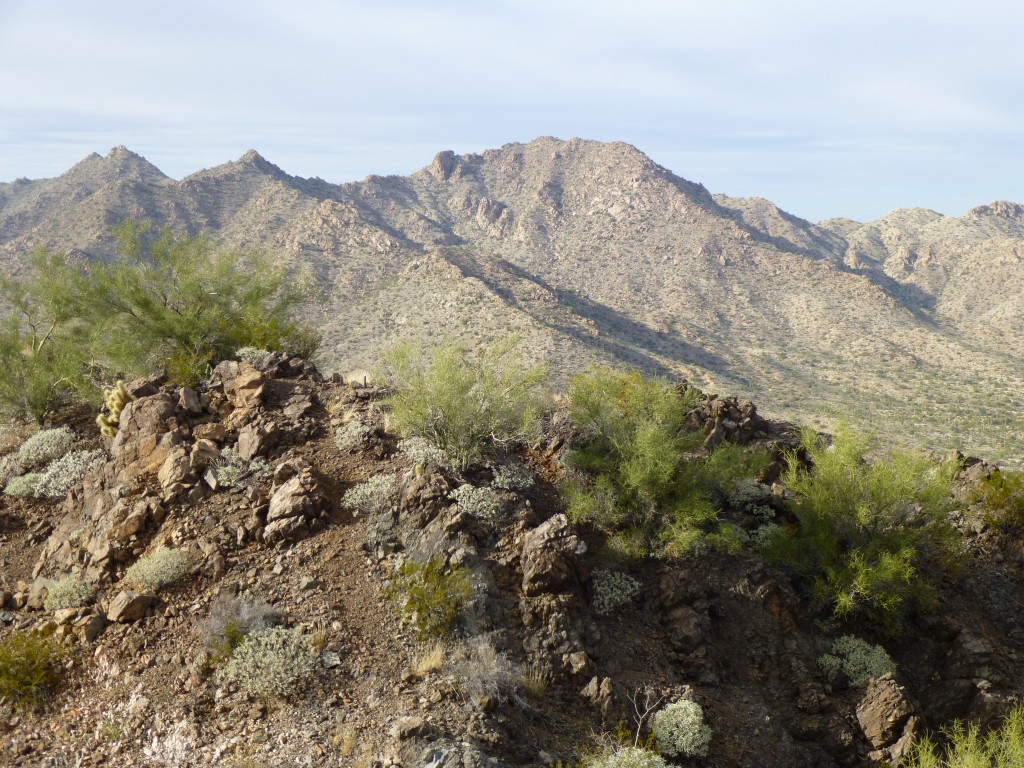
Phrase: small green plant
(858, 659)
(45, 446)
(865, 527)
(29, 669)
(966, 747)
(624, 757)
(352, 435)
(1002, 497)
(232, 470)
(114, 399)
(231, 620)
(679, 730)
(423, 452)
(641, 476)
(67, 471)
(612, 590)
(481, 503)
(158, 569)
(431, 595)
(467, 405)
(374, 496)
(513, 476)
(68, 592)
(273, 662)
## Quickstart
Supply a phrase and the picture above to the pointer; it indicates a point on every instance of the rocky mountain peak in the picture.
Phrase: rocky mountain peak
(1000, 208)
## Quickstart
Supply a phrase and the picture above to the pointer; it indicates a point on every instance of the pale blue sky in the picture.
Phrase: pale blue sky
(825, 107)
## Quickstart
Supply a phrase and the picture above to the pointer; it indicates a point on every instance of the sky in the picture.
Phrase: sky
(825, 107)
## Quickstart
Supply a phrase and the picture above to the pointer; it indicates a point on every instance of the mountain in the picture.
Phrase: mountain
(912, 325)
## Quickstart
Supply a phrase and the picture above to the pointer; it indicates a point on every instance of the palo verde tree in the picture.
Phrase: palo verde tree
(43, 341)
(866, 526)
(165, 301)
(183, 303)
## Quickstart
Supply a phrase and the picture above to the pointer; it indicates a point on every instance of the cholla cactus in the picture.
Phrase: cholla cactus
(115, 400)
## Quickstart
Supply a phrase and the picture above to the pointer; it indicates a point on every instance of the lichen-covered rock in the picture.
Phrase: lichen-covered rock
(551, 557)
(887, 720)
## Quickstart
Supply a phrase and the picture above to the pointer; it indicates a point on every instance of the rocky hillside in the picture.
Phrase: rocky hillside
(911, 324)
(242, 479)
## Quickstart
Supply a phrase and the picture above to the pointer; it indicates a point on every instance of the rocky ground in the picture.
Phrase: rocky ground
(727, 631)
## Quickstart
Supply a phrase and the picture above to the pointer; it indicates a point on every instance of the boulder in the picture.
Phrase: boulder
(129, 606)
(293, 507)
(887, 720)
(551, 557)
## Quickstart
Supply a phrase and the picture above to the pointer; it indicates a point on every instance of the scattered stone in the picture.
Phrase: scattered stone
(129, 606)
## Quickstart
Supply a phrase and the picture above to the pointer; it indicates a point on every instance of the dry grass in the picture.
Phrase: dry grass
(430, 660)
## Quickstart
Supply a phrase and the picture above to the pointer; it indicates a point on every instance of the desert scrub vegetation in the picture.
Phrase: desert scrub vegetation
(180, 303)
(275, 662)
(484, 675)
(640, 475)
(30, 669)
(612, 590)
(858, 659)
(231, 620)
(482, 503)
(513, 476)
(623, 756)
(351, 435)
(68, 592)
(865, 528)
(679, 730)
(232, 470)
(58, 477)
(158, 569)
(374, 496)
(1001, 495)
(45, 446)
(966, 747)
(423, 453)
(468, 405)
(431, 596)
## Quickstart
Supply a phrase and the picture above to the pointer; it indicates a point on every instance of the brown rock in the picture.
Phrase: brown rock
(550, 557)
(242, 384)
(886, 718)
(129, 606)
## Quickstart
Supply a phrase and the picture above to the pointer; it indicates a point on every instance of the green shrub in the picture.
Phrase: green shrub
(68, 592)
(967, 748)
(158, 569)
(513, 476)
(679, 730)
(231, 620)
(612, 590)
(67, 471)
(865, 527)
(29, 669)
(640, 475)
(423, 452)
(479, 502)
(24, 485)
(467, 405)
(45, 446)
(352, 435)
(858, 659)
(232, 470)
(183, 303)
(1002, 497)
(375, 496)
(624, 757)
(431, 596)
(273, 662)
(44, 343)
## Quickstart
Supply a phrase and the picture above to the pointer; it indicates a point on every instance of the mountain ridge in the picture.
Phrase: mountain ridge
(596, 253)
